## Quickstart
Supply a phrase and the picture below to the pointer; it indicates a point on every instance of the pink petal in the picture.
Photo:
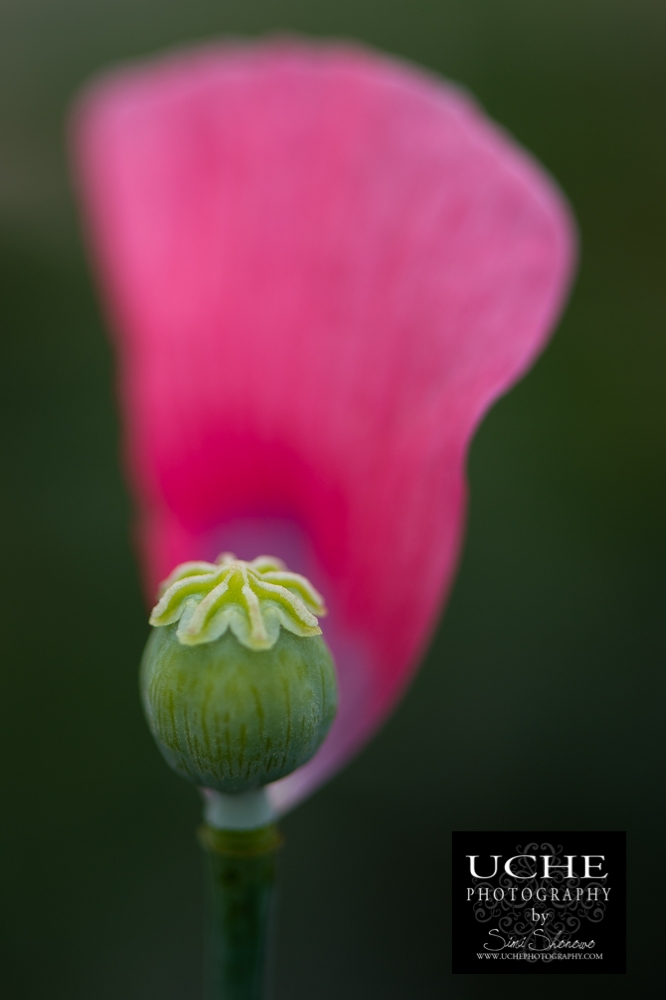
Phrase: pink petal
(322, 266)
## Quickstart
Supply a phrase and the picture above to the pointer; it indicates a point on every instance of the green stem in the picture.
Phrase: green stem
(241, 867)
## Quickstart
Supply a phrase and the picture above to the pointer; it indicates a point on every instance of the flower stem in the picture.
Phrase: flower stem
(241, 873)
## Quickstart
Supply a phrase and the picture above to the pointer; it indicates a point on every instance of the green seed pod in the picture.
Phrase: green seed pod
(237, 682)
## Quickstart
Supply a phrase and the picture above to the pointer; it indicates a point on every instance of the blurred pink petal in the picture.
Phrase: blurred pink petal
(322, 266)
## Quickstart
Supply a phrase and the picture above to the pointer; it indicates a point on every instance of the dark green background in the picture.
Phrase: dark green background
(541, 704)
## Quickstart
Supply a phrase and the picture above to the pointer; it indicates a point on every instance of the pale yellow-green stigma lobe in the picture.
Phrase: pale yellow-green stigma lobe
(254, 600)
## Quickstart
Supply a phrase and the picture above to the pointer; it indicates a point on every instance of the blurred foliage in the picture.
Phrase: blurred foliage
(541, 703)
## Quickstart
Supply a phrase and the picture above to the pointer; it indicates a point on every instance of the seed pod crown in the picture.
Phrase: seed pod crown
(252, 599)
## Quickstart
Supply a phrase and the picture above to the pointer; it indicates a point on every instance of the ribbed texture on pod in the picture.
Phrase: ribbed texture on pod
(231, 718)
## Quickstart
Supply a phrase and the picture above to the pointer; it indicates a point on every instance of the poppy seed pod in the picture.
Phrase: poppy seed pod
(238, 684)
